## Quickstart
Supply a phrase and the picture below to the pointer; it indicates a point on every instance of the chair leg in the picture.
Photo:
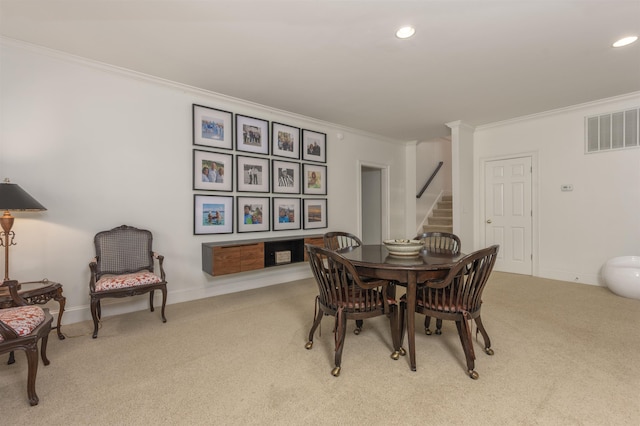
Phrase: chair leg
(43, 349)
(32, 370)
(485, 336)
(151, 300)
(358, 328)
(164, 303)
(397, 329)
(95, 314)
(12, 358)
(438, 326)
(315, 325)
(341, 329)
(466, 347)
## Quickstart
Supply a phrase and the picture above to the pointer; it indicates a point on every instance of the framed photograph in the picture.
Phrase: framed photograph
(212, 214)
(314, 179)
(286, 140)
(212, 171)
(212, 127)
(285, 177)
(315, 213)
(286, 213)
(252, 134)
(252, 174)
(253, 214)
(314, 146)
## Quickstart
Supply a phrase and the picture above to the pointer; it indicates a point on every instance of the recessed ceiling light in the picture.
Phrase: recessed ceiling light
(405, 32)
(625, 41)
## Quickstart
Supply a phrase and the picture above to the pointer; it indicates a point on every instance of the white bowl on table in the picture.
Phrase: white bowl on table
(403, 248)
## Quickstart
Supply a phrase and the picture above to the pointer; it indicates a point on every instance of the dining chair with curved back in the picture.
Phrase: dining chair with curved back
(438, 241)
(337, 240)
(346, 298)
(21, 327)
(124, 266)
(435, 241)
(458, 297)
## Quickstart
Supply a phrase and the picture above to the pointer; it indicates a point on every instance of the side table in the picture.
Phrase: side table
(39, 293)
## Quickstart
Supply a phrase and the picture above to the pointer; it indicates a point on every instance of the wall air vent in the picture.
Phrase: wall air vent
(617, 130)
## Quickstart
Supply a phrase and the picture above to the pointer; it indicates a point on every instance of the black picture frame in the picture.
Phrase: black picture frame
(212, 127)
(314, 146)
(215, 166)
(212, 214)
(285, 141)
(315, 213)
(286, 207)
(258, 214)
(252, 174)
(252, 134)
(285, 177)
(314, 179)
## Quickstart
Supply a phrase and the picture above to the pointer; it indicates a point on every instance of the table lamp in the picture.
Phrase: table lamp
(12, 197)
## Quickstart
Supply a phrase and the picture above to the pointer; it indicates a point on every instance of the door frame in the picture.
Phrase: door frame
(384, 197)
(535, 238)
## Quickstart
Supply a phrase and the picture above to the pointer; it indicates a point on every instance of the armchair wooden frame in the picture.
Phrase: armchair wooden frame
(135, 254)
(27, 343)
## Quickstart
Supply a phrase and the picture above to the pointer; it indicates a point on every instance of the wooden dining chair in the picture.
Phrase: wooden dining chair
(437, 242)
(347, 298)
(458, 297)
(21, 327)
(339, 240)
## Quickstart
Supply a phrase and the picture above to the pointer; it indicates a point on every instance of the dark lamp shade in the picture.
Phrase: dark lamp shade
(12, 197)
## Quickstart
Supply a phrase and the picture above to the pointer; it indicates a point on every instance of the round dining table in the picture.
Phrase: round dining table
(374, 261)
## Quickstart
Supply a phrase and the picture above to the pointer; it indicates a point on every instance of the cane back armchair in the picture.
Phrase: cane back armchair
(124, 266)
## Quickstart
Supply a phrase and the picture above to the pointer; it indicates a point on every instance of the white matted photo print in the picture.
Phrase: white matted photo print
(253, 214)
(252, 174)
(314, 179)
(285, 176)
(212, 171)
(315, 213)
(286, 213)
(212, 214)
(212, 127)
(314, 146)
(286, 140)
(252, 134)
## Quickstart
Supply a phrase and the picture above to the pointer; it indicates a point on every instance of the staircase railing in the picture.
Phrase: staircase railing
(433, 175)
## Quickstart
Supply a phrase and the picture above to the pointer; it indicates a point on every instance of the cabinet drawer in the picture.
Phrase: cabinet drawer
(226, 260)
(252, 257)
(315, 242)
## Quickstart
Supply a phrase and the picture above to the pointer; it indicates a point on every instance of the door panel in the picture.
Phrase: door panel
(508, 216)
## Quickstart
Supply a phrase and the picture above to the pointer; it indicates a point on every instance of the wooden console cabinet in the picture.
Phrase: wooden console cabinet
(230, 257)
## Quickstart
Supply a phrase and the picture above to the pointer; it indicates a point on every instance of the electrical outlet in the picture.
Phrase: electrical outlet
(566, 187)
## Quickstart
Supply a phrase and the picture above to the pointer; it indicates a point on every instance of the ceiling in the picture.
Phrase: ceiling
(479, 61)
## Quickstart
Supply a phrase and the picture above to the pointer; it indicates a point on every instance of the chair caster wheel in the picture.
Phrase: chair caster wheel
(395, 355)
(309, 345)
(335, 372)
(488, 351)
(357, 331)
(427, 332)
(473, 374)
(403, 352)
(438, 331)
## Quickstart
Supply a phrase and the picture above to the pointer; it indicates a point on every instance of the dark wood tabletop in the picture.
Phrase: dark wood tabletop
(375, 261)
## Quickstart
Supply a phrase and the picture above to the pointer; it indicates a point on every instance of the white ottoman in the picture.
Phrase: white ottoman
(622, 276)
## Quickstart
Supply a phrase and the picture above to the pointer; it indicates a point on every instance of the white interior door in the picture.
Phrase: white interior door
(508, 213)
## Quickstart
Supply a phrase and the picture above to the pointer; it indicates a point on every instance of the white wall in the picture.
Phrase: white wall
(576, 231)
(101, 147)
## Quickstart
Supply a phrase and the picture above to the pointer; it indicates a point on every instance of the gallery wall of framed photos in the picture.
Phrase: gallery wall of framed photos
(252, 175)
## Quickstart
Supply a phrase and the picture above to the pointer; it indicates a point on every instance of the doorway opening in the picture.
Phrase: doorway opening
(373, 203)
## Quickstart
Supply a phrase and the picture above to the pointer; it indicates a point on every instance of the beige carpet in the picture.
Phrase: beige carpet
(565, 354)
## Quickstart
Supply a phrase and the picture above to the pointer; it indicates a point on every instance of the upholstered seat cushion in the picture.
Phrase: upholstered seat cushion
(22, 319)
(112, 282)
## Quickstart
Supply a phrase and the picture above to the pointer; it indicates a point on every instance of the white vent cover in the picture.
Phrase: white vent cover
(617, 130)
